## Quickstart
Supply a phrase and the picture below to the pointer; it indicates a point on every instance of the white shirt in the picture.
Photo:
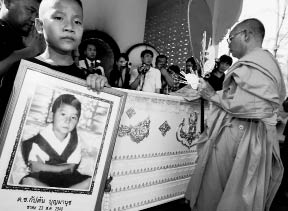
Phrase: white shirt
(58, 146)
(152, 79)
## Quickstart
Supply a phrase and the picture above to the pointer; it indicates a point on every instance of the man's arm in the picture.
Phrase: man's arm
(16, 56)
(158, 83)
(135, 83)
(35, 45)
(168, 77)
(135, 79)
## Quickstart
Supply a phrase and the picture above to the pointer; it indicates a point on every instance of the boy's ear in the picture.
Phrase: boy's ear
(39, 25)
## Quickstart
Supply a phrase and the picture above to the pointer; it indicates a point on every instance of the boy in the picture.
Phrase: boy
(60, 21)
(54, 153)
(90, 64)
(217, 75)
(146, 78)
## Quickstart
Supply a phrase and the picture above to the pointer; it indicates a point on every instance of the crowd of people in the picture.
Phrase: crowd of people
(239, 166)
(148, 77)
(158, 78)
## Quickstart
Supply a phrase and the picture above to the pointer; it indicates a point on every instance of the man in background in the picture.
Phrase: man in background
(18, 40)
(146, 78)
(90, 63)
(170, 78)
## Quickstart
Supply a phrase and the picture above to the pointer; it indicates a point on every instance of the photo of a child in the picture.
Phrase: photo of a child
(57, 141)
(54, 154)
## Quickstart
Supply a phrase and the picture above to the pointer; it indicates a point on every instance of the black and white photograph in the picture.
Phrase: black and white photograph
(60, 133)
(155, 105)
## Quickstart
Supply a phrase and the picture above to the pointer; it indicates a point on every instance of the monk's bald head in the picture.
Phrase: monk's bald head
(253, 25)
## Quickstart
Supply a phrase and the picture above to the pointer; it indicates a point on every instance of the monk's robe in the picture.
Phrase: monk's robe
(239, 166)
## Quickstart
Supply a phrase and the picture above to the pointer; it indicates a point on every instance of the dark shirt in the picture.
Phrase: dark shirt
(93, 70)
(214, 81)
(69, 70)
(115, 76)
(10, 41)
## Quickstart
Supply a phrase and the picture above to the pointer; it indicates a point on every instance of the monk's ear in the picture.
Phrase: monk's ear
(247, 35)
(39, 25)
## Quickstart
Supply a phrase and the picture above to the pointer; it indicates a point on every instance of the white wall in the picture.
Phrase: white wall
(123, 20)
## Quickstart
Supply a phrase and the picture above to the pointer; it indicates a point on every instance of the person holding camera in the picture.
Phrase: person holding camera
(120, 74)
(146, 78)
(90, 64)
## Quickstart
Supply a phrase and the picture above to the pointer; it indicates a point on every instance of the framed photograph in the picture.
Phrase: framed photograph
(57, 140)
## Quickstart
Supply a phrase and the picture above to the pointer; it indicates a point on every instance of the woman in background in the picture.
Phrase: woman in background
(120, 75)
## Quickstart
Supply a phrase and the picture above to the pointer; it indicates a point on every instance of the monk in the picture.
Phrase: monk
(239, 166)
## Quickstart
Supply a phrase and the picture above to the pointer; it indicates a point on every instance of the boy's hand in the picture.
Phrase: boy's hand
(97, 82)
(36, 166)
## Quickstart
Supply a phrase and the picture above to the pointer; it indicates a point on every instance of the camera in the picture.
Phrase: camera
(97, 63)
(143, 69)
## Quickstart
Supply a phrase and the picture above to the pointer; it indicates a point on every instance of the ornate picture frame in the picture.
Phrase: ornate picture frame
(29, 114)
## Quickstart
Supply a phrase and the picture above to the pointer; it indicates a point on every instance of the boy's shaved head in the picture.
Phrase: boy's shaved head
(45, 4)
(61, 23)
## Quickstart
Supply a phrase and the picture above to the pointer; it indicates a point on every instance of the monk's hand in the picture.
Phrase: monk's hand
(97, 82)
(205, 89)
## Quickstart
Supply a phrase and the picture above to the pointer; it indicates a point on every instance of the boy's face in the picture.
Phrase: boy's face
(65, 120)
(22, 14)
(223, 66)
(90, 52)
(61, 23)
(147, 59)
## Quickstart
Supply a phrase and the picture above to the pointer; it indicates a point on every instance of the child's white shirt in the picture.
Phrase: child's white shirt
(58, 146)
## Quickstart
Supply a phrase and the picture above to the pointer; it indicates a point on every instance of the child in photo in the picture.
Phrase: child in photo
(54, 154)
